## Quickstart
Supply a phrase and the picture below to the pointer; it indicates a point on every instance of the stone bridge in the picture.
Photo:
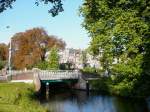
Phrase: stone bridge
(73, 77)
(49, 76)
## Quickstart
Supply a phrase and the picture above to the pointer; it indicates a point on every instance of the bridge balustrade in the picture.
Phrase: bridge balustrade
(3, 78)
(17, 72)
(43, 74)
(57, 75)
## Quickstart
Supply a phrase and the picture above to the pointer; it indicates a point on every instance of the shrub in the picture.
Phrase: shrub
(2, 64)
(43, 65)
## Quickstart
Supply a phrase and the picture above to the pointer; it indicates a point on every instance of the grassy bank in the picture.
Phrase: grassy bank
(18, 97)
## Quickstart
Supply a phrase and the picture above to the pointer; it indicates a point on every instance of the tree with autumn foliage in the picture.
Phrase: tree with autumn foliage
(29, 47)
(3, 51)
(3, 55)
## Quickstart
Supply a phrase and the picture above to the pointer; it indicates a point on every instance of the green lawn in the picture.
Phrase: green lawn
(18, 97)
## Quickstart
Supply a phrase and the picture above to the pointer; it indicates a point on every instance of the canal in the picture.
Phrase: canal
(80, 101)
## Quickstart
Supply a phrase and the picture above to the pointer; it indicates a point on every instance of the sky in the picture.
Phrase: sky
(26, 15)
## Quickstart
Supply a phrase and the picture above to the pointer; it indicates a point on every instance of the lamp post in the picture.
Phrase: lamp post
(43, 48)
(9, 59)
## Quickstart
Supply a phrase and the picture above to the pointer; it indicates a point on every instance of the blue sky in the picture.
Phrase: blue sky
(26, 15)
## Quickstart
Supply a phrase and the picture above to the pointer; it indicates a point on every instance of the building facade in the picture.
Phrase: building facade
(75, 57)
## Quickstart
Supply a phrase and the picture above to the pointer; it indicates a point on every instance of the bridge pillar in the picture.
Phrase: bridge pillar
(37, 82)
(87, 87)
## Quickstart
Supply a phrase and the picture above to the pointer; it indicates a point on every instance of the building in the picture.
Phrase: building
(74, 56)
(71, 55)
(93, 61)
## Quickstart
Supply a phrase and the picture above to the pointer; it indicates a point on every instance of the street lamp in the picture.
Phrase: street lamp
(9, 59)
(43, 48)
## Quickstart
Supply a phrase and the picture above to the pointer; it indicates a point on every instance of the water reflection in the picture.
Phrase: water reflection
(79, 101)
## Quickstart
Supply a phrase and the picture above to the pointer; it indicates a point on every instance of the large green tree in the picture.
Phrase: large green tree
(121, 29)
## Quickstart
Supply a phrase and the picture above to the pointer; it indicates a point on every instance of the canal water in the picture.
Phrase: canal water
(80, 101)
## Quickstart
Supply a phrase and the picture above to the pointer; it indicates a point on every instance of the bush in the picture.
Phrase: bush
(125, 88)
(89, 70)
(102, 85)
(42, 65)
(2, 64)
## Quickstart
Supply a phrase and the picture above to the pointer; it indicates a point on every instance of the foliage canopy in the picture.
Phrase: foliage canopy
(57, 5)
(121, 29)
(30, 47)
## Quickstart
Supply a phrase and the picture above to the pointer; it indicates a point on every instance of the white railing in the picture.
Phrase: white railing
(47, 74)
(17, 72)
(3, 78)
(57, 75)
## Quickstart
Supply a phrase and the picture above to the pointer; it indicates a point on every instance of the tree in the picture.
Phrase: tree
(30, 47)
(3, 55)
(3, 52)
(56, 5)
(122, 29)
(53, 59)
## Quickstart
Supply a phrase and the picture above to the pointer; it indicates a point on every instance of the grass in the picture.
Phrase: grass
(18, 97)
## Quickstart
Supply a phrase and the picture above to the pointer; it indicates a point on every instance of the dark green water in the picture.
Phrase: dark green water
(80, 101)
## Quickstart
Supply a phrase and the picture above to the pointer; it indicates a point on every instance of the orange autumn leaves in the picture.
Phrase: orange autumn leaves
(29, 47)
(3, 52)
